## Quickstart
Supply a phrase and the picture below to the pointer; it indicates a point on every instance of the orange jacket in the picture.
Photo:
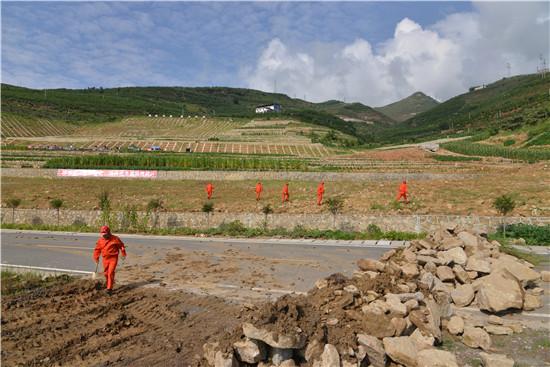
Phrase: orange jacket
(209, 188)
(108, 247)
(259, 188)
(403, 188)
(321, 190)
(285, 189)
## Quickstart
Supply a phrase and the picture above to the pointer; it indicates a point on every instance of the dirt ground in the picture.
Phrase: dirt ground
(462, 197)
(78, 324)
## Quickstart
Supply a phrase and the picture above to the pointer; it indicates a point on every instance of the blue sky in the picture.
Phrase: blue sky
(81, 44)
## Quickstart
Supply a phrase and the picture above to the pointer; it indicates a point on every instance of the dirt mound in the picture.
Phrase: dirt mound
(393, 309)
(78, 324)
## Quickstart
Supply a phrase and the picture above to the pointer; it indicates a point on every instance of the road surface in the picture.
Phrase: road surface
(208, 265)
(239, 269)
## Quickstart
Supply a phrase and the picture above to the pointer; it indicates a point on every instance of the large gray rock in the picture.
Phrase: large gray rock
(496, 360)
(410, 270)
(426, 281)
(475, 337)
(531, 302)
(450, 242)
(395, 306)
(455, 325)
(499, 291)
(372, 349)
(249, 350)
(422, 341)
(455, 256)
(445, 273)
(401, 350)
(370, 265)
(209, 349)
(330, 357)
(225, 360)
(520, 271)
(463, 295)
(470, 241)
(313, 350)
(498, 330)
(271, 338)
(436, 358)
(423, 259)
(479, 264)
(461, 275)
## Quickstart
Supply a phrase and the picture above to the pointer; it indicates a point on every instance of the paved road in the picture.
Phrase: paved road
(280, 261)
(222, 267)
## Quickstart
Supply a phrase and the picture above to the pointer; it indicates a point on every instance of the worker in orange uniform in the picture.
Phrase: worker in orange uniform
(403, 191)
(286, 195)
(209, 190)
(320, 192)
(108, 246)
(259, 189)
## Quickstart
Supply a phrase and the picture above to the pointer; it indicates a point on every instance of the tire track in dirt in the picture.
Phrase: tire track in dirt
(78, 324)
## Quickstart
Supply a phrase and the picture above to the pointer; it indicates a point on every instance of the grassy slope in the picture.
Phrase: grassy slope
(522, 101)
(101, 105)
(408, 107)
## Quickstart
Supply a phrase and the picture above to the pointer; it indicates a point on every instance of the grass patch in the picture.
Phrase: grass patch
(533, 235)
(14, 283)
(237, 229)
(454, 158)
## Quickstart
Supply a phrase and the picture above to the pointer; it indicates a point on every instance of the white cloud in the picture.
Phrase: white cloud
(442, 60)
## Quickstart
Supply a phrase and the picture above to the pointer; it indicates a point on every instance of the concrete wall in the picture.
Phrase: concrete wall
(350, 222)
(267, 175)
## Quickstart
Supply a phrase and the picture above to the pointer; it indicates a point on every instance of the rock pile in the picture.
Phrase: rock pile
(391, 312)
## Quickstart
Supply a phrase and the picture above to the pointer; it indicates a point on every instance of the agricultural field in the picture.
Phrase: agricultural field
(15, 126)
(174, 134)
(467, 196)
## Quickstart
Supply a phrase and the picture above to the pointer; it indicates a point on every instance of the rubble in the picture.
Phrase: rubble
(496, 360)
(391, 311)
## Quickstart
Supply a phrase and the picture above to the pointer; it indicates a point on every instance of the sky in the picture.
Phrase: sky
(369, 52)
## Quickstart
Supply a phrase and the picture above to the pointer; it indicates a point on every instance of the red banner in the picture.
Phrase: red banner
(112, 173)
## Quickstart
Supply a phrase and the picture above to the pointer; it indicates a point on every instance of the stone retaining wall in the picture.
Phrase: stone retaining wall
(349, 222)
(264, 175)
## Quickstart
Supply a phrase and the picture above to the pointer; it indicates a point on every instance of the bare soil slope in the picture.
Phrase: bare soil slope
(78, 324)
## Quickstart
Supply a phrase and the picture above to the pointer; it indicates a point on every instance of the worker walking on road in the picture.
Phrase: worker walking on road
(320, 192)
(108, 246)
(286, 195)
(259, 189)
(209, 190)
(403, 191)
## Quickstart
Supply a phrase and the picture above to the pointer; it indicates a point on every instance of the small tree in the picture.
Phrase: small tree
(504, 204)
(335, 206)
(208, 208)
(13, 203)
(266, 210)
(153, 206)
(56, 204)
(104, 203)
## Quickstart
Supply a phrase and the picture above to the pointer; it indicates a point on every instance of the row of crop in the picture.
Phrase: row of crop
(171, 162)
(469, 148)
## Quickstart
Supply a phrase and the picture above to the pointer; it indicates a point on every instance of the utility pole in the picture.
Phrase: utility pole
(509, 67)
(45, 94)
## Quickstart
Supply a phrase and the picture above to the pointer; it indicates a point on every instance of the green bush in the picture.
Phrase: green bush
(509, 142)
(533, 235)
(454, 158)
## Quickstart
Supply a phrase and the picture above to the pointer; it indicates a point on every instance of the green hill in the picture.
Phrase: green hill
(408, 107)
(508, 104)
(104, 105)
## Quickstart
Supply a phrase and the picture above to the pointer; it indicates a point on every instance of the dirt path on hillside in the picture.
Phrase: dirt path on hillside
(78, 324)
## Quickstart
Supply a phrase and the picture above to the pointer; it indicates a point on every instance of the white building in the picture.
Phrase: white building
(275, 107)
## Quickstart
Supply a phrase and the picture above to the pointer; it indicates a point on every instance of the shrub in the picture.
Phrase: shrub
(509, 142)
